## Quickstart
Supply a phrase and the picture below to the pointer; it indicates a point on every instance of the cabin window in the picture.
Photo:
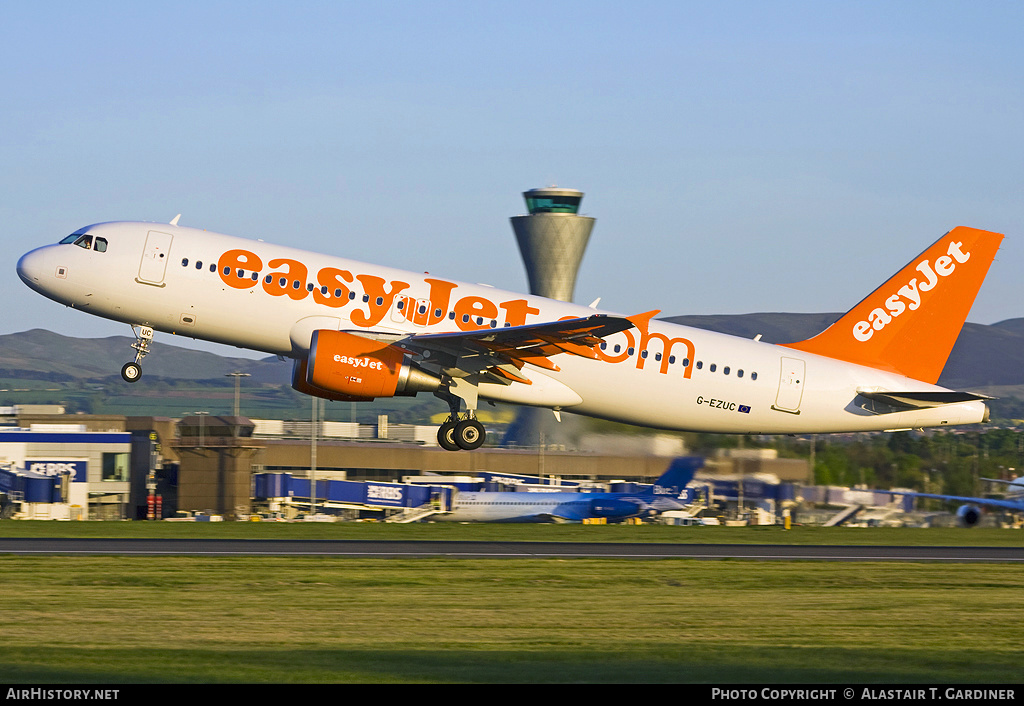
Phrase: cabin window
(255, 276)
(739, 373)
(213, 267)
(753, 376)
(337, 294)
(309, 287)
(184, 262)
(351, 295)
(672, 359)
(296, 284)
(712, 367)
(380, 301)
(700, 364)
(199, 264)
(366, 298)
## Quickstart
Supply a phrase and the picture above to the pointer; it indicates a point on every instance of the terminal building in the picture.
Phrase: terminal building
(62, 467)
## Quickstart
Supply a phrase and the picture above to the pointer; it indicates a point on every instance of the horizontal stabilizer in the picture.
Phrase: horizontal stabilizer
(922, 400)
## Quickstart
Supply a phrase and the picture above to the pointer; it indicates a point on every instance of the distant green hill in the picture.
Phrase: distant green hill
(47, 355)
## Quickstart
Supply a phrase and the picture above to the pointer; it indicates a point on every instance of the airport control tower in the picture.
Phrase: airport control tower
(552, 239)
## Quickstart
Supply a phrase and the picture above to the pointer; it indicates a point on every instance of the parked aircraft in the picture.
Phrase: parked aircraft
(357, 331)
(969, 514)
(575, 507)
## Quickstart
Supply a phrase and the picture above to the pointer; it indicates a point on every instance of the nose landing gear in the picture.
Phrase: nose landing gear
(132, 371)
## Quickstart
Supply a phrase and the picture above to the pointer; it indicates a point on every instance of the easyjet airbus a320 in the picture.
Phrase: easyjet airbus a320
(357, 331)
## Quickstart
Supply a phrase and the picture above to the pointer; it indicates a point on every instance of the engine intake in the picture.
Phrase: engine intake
(968, 515)
(344, 364)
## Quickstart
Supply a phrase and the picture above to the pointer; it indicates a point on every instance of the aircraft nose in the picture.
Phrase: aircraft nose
(32, 267)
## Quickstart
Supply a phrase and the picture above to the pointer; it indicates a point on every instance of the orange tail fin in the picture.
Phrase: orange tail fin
(910, 323)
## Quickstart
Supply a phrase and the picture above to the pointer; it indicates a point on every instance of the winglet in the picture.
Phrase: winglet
(909, 324)
(641, 320)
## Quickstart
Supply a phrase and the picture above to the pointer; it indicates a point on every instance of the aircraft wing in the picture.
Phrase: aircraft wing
(498, 355)
(1015, 506)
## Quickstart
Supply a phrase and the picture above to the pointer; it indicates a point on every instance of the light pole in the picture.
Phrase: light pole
(202, 416)
(237, 375)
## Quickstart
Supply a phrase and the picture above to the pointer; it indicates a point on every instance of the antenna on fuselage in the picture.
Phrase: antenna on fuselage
(174, 221)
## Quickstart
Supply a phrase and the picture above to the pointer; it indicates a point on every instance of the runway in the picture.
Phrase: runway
(508, 550)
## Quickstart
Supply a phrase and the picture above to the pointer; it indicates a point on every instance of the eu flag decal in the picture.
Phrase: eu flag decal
(744, 408)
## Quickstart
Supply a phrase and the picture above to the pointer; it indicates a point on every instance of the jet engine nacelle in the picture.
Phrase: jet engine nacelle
(968, 515)
(351, 367)
(615, 509)
(299, 371)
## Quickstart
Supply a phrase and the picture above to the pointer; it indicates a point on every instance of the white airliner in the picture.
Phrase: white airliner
(358, 331)
(661, 497)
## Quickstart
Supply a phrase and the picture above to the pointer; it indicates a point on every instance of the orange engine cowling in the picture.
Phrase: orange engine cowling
(299, 383)
(350, 367)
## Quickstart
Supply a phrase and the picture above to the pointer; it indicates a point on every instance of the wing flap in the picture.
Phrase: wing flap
(500, 354)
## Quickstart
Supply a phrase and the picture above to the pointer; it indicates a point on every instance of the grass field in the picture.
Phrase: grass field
(120, 620)
(521, 532)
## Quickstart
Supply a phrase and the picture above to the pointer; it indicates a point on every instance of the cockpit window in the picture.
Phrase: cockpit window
(74, 237)
(84, 242)
(100, 245)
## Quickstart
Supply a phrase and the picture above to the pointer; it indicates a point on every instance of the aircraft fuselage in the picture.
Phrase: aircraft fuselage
(271, 298)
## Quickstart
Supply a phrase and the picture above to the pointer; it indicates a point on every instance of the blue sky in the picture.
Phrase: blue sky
(738, 156)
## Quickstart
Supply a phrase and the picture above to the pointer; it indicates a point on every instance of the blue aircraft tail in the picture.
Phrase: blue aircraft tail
(680, 472)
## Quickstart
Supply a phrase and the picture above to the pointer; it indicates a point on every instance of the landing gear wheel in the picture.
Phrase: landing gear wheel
(469, 434)
(446, 436)
(131, 372)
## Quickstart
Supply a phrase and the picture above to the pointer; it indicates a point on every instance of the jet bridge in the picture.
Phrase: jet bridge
(34, 496)
(404, 502)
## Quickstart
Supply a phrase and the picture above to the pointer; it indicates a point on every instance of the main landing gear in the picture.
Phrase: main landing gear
(131, 372)
(462, 431)
(461, 435)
